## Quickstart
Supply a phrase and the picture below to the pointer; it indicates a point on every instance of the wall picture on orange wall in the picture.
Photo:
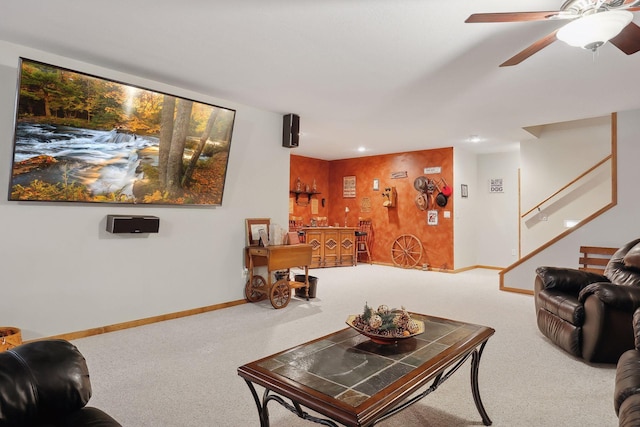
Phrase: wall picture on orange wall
(365, 205)
(349, 187)
(432, 217)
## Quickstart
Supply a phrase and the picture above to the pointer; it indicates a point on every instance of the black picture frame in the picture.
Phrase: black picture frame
(83, 138)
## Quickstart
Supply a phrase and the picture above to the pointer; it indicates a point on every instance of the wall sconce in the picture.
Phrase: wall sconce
(346, 213)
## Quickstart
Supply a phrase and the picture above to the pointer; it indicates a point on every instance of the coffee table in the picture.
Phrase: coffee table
(353, 381)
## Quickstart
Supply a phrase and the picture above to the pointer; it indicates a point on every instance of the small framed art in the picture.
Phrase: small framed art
(255, 228)
(496, 185)
(349, 187)
(432, 217)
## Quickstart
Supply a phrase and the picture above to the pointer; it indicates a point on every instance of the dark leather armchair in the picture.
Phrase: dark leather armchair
(46, 384)
(626, 398)
(587, 314)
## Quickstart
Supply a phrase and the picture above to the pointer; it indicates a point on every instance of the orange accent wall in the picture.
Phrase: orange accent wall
(387, 223)
(308, 169)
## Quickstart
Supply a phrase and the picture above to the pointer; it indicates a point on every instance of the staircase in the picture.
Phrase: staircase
(563, 211)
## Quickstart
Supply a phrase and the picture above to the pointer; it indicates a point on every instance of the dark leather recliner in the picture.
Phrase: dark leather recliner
(587, 314)
(46, 384)
(626, 398)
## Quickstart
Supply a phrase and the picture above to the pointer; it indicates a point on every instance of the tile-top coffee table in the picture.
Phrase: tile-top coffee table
(353, 381)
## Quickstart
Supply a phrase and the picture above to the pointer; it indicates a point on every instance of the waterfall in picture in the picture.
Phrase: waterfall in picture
(103, 161)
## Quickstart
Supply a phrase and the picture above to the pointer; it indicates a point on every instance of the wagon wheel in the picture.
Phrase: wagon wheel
(255, 289)
(406, 251)
(280, 294)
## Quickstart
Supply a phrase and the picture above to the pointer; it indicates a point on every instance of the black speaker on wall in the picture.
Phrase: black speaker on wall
(291, 130)
(132, 224)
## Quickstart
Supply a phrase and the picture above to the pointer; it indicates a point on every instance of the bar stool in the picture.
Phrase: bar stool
(362, 238)
(295, 224)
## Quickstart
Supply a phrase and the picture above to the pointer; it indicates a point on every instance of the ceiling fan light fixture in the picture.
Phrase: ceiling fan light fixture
(592, 31)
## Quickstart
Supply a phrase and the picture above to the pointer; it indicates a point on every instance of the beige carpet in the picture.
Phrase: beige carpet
(183, 372)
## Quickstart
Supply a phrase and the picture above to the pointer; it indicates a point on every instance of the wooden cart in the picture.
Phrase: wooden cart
(276, 258)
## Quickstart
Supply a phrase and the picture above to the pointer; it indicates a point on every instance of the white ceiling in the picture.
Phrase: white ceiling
(388, 75)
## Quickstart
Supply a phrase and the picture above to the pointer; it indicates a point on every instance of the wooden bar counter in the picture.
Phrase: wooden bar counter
(332, 246)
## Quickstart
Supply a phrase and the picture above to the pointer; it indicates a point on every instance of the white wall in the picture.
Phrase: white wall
(62, 272)
(560, 154)
(614, 228)
(486, 224)
(497, 218)
(464, 209)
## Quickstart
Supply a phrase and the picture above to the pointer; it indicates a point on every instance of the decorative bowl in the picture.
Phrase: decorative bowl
(384, 339)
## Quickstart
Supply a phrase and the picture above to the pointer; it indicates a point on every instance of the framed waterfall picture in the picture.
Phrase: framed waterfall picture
(82, 138)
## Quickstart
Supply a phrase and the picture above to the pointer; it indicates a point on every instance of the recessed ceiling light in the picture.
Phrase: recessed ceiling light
(362, 149)
(474, 138)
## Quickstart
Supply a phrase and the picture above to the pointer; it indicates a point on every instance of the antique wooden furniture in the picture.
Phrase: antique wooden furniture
(355, 382)
(332, 246)
(363, 235)
(276, 259)
(305, 201)
(406, 251)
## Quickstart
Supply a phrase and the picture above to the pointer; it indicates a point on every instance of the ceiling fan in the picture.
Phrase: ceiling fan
(593, 23)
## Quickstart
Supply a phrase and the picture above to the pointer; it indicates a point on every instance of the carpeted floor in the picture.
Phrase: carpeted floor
(183, 372)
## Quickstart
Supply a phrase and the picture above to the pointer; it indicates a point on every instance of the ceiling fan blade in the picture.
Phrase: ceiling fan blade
(535, 47)
(513, 16)
(621, 4)
(628, 40)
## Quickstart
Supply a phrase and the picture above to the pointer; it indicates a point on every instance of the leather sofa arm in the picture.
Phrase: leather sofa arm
(624, 298)
(567, 279)
(627, 381)
(46, 383)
